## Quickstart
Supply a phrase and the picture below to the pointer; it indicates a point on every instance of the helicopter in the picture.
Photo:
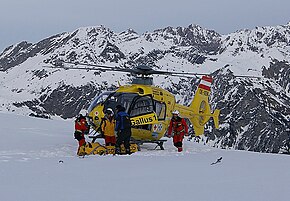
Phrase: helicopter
(149, 107)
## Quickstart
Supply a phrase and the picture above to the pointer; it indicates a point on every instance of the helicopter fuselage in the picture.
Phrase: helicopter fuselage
(150, 109)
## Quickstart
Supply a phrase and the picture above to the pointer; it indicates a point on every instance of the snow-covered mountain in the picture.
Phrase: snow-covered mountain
(255, 112)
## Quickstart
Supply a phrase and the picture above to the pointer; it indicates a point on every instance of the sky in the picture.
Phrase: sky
(34, 20)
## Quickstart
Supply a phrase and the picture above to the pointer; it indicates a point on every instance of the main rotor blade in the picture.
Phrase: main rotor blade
(139, 70)
(103, 68)
(174, 73)
(248, 76)
(94, 65)
(92, 69)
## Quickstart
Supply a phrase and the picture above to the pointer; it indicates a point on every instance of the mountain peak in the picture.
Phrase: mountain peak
(194, 26)
(130, 30)
(100, 29)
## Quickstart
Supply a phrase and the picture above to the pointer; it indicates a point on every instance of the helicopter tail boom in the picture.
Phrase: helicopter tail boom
(200, 107)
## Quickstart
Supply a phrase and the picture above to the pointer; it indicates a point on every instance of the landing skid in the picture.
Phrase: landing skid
(159, 143)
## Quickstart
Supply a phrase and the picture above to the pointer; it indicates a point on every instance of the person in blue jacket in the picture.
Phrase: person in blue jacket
(123, 129)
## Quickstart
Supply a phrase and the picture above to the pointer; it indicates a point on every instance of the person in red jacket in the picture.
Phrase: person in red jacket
(178, 128)
(81, 128)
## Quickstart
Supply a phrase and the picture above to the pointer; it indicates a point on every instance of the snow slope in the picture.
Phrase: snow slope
(31, 151)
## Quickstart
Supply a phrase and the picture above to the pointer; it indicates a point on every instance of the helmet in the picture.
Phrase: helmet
(83, 112)
(175, 112)
(109, 111)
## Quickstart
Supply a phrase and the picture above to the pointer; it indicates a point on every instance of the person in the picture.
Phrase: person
(81, 128)
(178, 128)
(123, 129)
(108, 127)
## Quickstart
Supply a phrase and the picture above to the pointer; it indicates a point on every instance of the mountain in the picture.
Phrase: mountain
(255, 113)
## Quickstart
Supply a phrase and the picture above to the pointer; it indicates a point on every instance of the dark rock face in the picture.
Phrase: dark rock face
(13, 56)
(279, 71)
(253, 116)
(205, 41)
(67, 101)
(112, 53)
(64, 101)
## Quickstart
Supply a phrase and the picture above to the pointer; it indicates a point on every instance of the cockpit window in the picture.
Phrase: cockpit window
(138, 105)
(99, 99)
(123, 99)
(142, 105)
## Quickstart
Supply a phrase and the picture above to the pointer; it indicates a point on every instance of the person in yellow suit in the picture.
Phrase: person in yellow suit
(108, 128)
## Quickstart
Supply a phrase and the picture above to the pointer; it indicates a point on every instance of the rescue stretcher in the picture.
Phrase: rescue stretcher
(95, 148)
(159, 143)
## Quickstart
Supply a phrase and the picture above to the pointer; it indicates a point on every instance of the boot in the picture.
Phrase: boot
(179, 149)
(81, 151)
(128, 151)
(117, 150)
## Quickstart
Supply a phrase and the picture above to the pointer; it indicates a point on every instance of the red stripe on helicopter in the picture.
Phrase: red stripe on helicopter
(207, 78)
(202, 86)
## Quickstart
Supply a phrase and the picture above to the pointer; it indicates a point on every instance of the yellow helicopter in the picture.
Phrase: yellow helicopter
(150, 107)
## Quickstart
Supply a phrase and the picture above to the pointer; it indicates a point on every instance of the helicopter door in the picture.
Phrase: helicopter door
(160, 110)
(142, 112)
(141, 105)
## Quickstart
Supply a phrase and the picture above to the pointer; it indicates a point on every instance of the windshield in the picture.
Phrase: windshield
(138, 105)
(119, 98)
(99, 99)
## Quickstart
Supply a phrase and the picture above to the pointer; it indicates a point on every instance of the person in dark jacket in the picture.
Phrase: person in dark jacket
(123, 129)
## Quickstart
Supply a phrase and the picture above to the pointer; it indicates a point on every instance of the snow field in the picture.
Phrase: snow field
(38, 162)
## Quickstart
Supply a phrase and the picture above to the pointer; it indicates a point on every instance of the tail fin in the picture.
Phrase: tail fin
(200, 107)
(216, 118)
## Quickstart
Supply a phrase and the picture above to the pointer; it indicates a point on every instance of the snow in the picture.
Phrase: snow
(32, 151)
